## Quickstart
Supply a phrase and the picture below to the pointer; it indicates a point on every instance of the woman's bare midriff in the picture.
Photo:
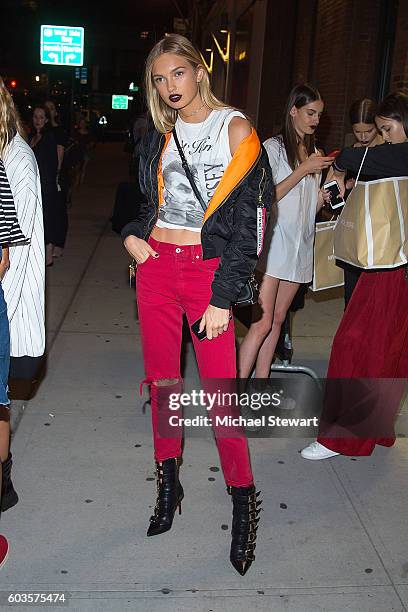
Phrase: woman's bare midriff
(176, 236)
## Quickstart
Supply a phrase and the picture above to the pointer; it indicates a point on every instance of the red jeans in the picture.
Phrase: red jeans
(179, 282)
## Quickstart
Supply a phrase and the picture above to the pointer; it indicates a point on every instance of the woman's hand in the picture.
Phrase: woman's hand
(215, 321)
(139, 249)
(315, 163)
(323, 198)
(340, 178)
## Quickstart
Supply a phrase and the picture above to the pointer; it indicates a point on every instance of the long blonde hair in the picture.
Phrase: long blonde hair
(164, 117)
(10, 122)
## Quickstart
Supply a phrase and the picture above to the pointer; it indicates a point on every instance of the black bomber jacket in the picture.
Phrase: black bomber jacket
(234, 221)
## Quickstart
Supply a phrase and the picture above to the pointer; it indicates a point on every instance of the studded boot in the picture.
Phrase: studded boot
(246, 508)
(169, 496)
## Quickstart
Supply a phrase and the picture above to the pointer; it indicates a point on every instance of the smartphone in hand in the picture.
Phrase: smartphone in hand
(334, 153)
(196, 326)
(336, 201)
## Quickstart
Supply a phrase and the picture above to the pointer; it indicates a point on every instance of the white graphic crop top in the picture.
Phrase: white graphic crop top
(207, 151)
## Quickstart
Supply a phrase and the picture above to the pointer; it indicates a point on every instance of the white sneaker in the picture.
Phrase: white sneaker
(316, 451)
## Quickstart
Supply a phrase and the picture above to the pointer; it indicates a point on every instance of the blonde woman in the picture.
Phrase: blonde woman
(194, 261)
(23, 282)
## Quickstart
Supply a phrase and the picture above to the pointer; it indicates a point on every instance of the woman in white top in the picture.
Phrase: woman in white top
(287, 257)
(195, 241)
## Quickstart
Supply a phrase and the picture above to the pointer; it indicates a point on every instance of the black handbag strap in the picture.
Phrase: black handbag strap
(188, 172)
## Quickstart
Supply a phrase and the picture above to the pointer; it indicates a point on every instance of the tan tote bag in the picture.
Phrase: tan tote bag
(372, 230)
(325, 272)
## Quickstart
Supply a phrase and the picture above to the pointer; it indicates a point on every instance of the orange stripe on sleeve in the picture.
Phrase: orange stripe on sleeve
(160, 181)
(244, 157)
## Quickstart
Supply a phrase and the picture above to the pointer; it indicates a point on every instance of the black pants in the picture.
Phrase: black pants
(351, 276)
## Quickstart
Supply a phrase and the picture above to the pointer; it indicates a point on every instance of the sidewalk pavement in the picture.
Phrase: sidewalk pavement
(333, 534)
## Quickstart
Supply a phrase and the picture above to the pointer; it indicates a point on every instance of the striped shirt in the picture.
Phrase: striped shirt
(24, 282)
(10, 231)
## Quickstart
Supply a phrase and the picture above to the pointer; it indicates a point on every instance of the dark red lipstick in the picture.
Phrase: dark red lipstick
(175, 98)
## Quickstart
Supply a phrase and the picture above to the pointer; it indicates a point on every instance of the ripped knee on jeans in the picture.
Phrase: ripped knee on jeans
(165, 382)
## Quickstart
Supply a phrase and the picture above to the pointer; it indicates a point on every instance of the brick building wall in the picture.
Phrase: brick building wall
(305, 40)
(399, 73)
(363, 65)
(336, 45)
(330, 43)
(337, 52)
(330, 64)
(277, 65)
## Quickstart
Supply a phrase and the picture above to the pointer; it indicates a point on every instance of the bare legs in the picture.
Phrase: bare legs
(52, 251)
(49, 248)
(275, 298)
(286, 293)
(258, 331)
(4, 437)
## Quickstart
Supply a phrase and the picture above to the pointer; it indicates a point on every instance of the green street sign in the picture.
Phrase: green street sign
(62, 45)
(120, 102)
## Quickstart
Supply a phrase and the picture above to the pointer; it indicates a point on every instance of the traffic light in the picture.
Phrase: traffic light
(10, 83)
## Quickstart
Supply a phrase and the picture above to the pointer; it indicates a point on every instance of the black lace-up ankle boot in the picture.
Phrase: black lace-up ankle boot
(246, 508)
(169, 496)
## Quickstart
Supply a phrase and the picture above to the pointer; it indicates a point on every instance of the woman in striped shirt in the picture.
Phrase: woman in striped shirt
(23, 282)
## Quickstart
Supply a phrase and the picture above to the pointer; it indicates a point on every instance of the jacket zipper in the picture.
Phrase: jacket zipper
(260, 194)
(151, 182)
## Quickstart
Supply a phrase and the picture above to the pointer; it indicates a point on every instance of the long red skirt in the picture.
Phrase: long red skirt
(371, 343)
